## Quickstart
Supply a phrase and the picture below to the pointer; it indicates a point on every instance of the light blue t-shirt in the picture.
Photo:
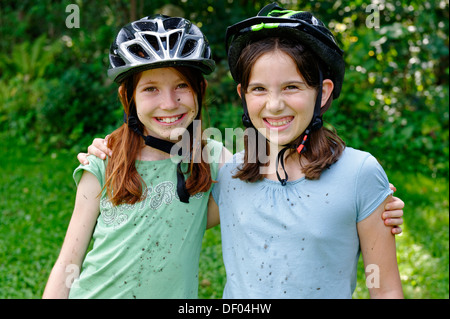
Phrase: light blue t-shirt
(298, 240)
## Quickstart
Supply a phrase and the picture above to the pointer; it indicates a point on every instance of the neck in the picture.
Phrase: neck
(291, 165)
(149, 153)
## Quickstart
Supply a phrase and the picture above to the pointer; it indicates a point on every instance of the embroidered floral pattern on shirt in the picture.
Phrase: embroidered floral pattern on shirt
(162, 193)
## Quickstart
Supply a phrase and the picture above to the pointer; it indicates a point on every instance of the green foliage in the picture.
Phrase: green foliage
(70, 100)
(395, 97)
(54, 92)
(31, 59)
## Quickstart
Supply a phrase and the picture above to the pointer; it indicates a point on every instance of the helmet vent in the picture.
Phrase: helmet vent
(173, 40)
(138, 51)
(173, 23)
(124, 35)
(189, 47)
(153, 41)
(116, 61)
(145, 26)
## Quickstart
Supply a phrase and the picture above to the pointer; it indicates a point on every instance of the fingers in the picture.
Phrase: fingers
(82, 158)
(394, 218)
(392, 187)
(96, 151)
(393, 221)
(396, 230)
(395, 204)
(393, 215)
(99, 148)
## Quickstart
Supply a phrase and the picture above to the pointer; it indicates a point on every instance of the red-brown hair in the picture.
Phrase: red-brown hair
(325, 146)
(123, 182)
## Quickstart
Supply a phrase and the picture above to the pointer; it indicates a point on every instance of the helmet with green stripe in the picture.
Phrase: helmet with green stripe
(274, 21)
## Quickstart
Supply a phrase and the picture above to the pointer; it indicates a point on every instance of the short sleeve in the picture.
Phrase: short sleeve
(226, 173)
(96, 166)
(372, 188)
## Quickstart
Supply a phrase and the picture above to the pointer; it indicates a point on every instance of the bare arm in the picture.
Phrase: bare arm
(213, 209)
(77, 238)
(379, 255)
(213, 213)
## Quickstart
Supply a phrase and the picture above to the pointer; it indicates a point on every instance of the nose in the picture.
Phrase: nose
(169, 100)
(274, 102)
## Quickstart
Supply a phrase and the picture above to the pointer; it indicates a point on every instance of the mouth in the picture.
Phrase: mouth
(278, 123)
(170, 120)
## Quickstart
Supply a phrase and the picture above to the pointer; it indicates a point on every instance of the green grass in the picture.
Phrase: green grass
(37, 195)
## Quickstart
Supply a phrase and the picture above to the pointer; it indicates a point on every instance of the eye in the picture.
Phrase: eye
(257, 89)
(150, 89)
(292, 87)
(183, 86)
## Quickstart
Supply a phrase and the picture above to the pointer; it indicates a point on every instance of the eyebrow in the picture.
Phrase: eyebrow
(146, 83)
(282, 84)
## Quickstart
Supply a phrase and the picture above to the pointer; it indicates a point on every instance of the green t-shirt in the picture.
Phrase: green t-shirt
(150, 249)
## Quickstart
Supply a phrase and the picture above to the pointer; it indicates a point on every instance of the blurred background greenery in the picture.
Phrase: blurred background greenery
(55, 98)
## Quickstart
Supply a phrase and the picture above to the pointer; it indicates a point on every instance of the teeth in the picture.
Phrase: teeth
(168, 119)
(278, 123)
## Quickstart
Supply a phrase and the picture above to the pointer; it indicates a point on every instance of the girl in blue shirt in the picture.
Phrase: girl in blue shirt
(297, 209)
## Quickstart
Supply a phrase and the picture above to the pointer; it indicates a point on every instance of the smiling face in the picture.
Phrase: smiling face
(164, 101)
(280, 103)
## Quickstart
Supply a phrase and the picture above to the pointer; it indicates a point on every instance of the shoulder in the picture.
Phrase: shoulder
(354, 160)
(371, 183)
(220, 154)
(229, 166)
(96, 166)
(356, 167)
(213, 144)
(352, 154)
(362, 160)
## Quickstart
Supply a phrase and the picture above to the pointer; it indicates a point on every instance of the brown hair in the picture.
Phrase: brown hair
(123, 182)
(325, 146)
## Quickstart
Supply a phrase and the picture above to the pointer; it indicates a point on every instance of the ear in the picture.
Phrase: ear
(327, 90)
(238, 88)
(120, 89)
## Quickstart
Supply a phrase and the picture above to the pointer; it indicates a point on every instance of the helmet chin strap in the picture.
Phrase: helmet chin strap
(245, 117)
(164, 146)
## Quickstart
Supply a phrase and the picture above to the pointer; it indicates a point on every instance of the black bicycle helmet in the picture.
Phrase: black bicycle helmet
(274, 21)
(158, 41)
(301, 26)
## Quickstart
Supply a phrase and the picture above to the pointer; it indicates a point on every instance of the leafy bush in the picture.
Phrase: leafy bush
(394, 103)
(75, 107)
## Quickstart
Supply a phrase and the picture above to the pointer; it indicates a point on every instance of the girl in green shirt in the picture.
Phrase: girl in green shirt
(145, 207)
